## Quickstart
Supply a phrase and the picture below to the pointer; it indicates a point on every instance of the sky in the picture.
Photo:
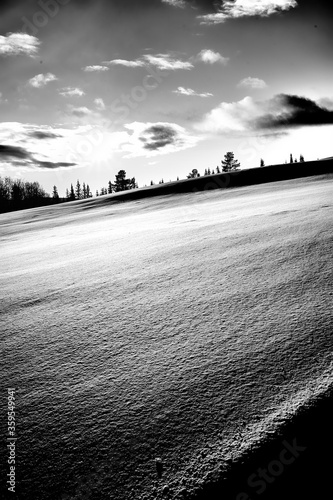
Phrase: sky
(159, 87)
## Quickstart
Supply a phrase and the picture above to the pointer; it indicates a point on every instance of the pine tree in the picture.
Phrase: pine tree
(229, 163)
(151, 183)
(55, 194)
(301, 158)
(72, 193)
(206, 171)
(84, 190)
(213, 172)
(291, 158)
(67, 193)
(177, 178)
(262, 163)
(97, 192)
(78, 191)
(89, 193)
(218, 169)
(110, 187)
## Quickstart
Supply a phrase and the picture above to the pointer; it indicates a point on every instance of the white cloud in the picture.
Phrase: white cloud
(166, 62)
(13, 44)
(95, 68)
(161, 61)
(246, 8)
(175, 3)
(80, 111)
(41, 80)
(210, 57)
(99, 103)
(253, 83)
(230, 117)
(123, 62)
(191, 92)
(71, 92)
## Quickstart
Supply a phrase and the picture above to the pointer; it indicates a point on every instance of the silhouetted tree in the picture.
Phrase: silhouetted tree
(193, 174)
(110, 187)
(89, 193)
(301, 158)
(151, 183)
(177, 178)
(206, 171)
(78, 190)
(84, 190)
(262, 163)
(97, 192)
(55, 194)
(72, 193)
(229, 163)
(67, 193)
(218, 169)
(291, 158)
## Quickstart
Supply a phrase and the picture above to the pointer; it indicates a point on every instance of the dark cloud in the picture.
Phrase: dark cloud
(17, 153)
(158, 137)
(13, 152)
(38, 134)
(51, 165)
(294, 111)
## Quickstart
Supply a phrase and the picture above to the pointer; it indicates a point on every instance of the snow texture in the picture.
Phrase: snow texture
(151, 341)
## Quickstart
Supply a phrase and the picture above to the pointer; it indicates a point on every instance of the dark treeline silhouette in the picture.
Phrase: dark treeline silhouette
(16, 194)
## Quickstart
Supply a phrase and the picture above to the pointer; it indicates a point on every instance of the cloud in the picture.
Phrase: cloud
(246, 8)
(40, 134)
(14, 44)
(166, 62)
(191, 92)
(26, 158)
(41, 80)
(13, 152)
(79, 111)
(161, 61)
(95, 68)
(210, 57)
(151, 139)
(99, 103)
(71, 92)
(281, 112)
(253, 83)
(176, 3)
(294, 111)
(139, 63)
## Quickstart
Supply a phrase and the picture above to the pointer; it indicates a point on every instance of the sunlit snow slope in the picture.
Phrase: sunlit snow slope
(162, 328)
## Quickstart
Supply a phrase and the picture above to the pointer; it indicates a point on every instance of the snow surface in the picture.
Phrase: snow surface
(179, 327)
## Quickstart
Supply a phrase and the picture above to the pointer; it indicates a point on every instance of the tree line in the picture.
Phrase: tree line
(17, 194)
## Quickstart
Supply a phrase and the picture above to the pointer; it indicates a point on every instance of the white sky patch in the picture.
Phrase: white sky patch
(13, 44)
(253, 83)
(247, 8)
(41, 80)
(99, 103)
(128, 64)
(71, 92)
(191, 92)
(97, 67)
(210, 57)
